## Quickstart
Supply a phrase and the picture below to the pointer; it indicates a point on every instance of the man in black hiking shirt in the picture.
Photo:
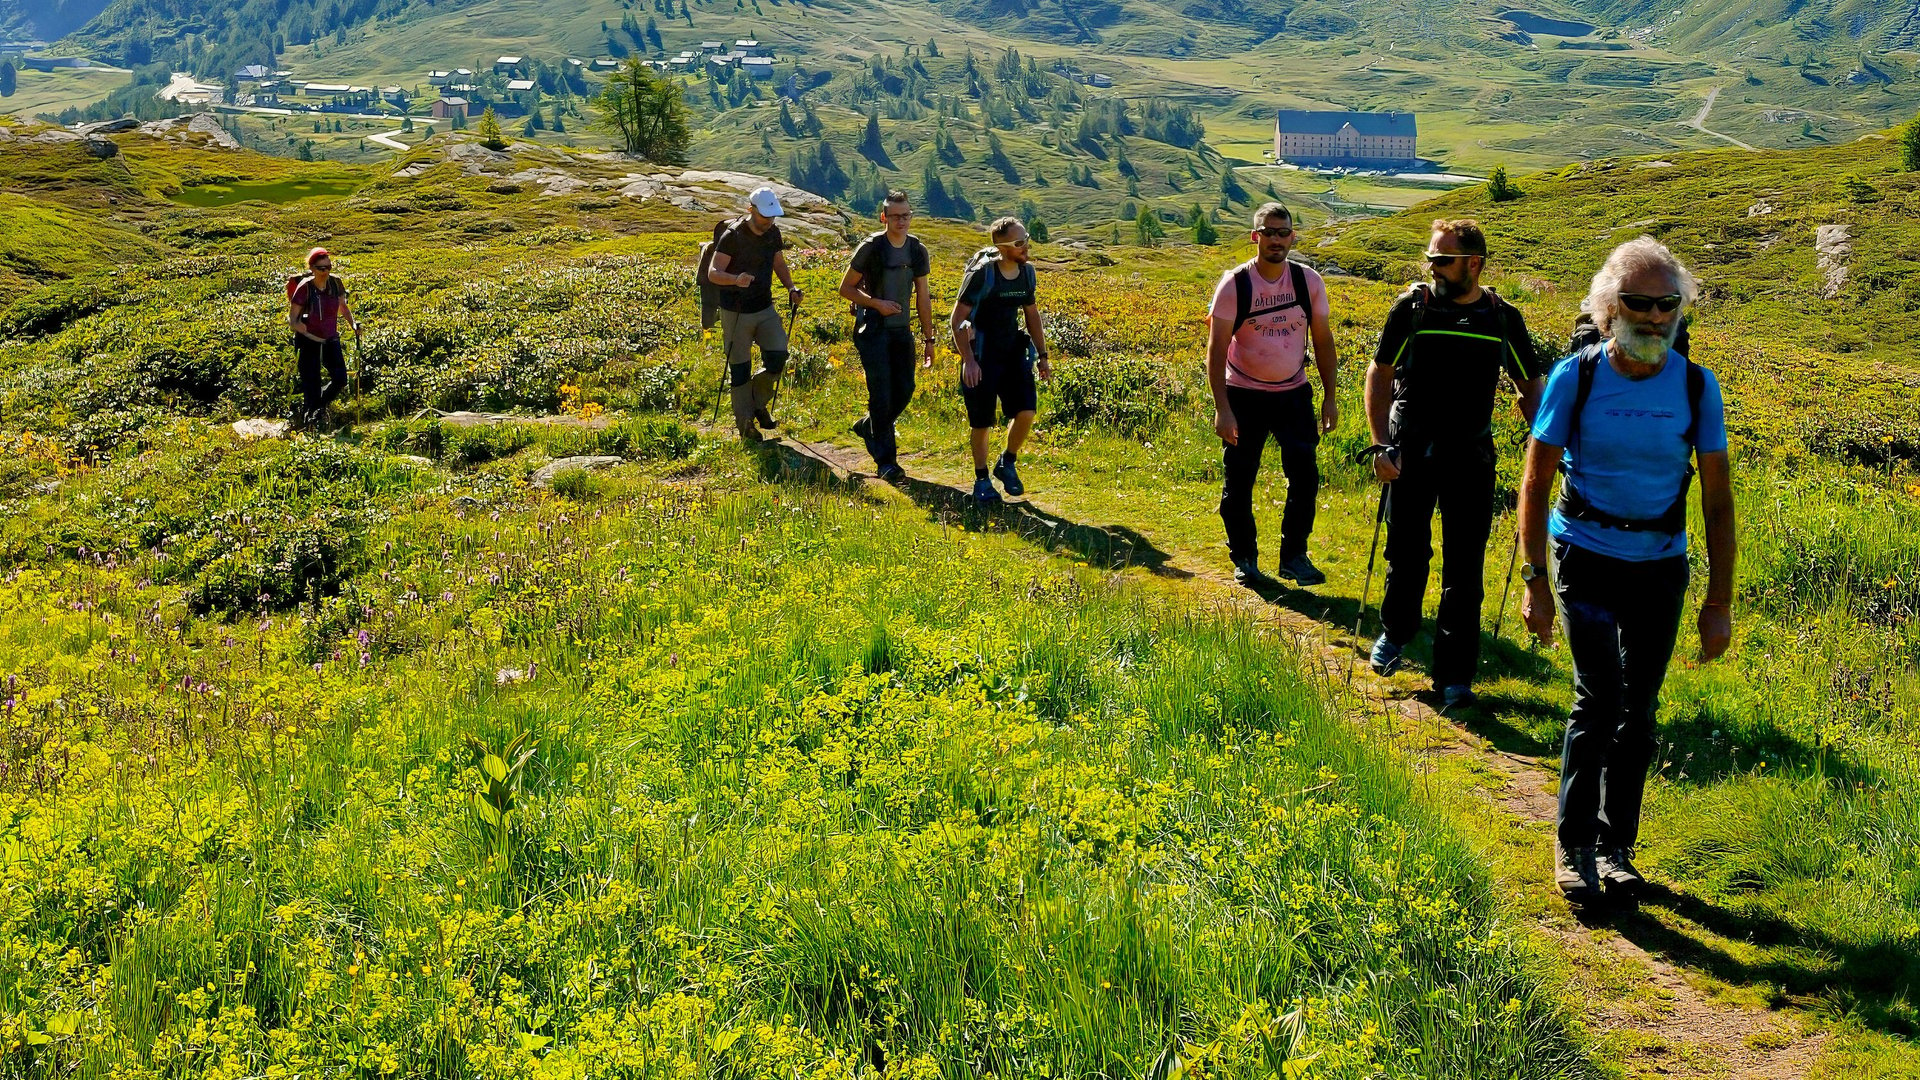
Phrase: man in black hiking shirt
(997, 357)
(888, 272)
(745, 260)
(1429, 397)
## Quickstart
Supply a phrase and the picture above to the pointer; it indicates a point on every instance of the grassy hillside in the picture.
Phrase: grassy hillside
(825, 776)
(1747, 221)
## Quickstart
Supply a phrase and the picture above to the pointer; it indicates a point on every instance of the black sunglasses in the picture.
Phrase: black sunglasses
(1444, 261)
(1642, 302)
(1275, 234)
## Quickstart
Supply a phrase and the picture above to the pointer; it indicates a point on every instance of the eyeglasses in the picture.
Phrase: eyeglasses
(1441, 262)
(1275, 234)
(1012, 243)
(1642, 302)
(899, 217)
(322, 266)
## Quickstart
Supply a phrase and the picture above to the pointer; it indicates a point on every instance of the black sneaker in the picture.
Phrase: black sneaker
(764, 418)
(983, 492)
(1616, 869)
(1009, 479)
(1247, 572)
(1577, 873)
(892, 473)
(1302, 571)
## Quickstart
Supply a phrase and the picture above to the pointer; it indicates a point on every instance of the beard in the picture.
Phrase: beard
(1647, 348)
(1273, 258)
(1447, 290)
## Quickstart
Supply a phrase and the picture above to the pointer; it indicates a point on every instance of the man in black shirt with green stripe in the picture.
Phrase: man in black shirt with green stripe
(1430, 398)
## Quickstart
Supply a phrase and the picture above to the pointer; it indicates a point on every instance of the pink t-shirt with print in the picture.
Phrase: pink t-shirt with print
(1270, 351)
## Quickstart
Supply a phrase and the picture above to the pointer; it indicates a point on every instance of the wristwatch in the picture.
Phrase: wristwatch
(1528, 572)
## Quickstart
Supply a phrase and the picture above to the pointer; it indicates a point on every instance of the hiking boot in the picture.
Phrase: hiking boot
(1247, 572)
(1385, 657)
(1577, 873)
(764, 418)
(1615, 866)
(1457, 696)
(892, 473)
(1009, 479)
(1302, 571)
(743, 410)
(983, 492)
(863, 427)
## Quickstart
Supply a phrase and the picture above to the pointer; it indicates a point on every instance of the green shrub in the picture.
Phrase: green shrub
(1124, 392)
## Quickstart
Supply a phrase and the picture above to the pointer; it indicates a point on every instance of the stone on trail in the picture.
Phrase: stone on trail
(257, 428)
(544, 477)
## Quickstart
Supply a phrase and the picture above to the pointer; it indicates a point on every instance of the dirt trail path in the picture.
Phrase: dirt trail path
(1664, 1023)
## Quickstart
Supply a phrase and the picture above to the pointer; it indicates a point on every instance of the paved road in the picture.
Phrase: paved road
(386, 139)
(1699, 121)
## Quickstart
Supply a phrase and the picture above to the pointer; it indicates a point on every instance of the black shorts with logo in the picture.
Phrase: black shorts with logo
(1006, 378)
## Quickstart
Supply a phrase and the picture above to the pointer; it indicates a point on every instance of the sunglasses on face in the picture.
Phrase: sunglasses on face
(1642, 302)
(322, 266)
(1439, 261)
(1275, 234)
(900, 217)
(1012, 243)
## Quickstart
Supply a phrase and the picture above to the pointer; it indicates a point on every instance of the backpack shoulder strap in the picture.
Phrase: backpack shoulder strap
(1029, 278)
(1696, 387)
(1300, 294)
(1242, 296)
(1583, 389)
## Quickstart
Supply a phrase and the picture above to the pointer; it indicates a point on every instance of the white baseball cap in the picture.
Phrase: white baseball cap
(764, 200)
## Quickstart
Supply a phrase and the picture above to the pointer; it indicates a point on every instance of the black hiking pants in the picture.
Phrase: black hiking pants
(887, 357)
(1621, 619)
(1457, 480)
(1288, 418)
(312, 355)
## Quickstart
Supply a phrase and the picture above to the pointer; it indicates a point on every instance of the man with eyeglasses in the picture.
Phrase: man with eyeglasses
(744, 259)
(1429, 399)
(1263, 314)
(1624, 420)
(889, 270)
(997, 356)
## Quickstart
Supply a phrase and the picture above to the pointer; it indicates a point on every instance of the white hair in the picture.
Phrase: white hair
(1646, 253)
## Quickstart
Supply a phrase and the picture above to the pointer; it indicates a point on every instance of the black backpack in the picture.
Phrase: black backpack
(1574, 505)
(986, 257)
(1243, 294)
(709, 292)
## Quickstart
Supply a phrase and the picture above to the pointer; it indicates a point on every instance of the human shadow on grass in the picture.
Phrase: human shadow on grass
(1109, 547)
(1868, 979)
(1707, 747)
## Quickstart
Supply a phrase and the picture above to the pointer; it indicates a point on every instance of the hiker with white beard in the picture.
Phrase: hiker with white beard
(1623, 420)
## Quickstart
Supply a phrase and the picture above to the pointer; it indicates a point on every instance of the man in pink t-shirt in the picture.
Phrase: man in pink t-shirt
(1264, 313)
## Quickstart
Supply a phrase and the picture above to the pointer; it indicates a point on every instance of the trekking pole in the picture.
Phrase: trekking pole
(1513, 556)
(1506, 588)
(1373, 550)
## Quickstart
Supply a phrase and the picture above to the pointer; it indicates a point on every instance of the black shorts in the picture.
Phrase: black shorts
(1006, 377)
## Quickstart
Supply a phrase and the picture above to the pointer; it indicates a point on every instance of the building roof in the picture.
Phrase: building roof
(757, 61)
(331, 88)
(463, 71)
(251, 71)
(1306, 122)
(517, 85)
(452, 101)
(746, 43)
(509, 60)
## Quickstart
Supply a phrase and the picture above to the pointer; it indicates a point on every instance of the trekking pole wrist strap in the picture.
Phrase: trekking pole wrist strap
(1365, 457)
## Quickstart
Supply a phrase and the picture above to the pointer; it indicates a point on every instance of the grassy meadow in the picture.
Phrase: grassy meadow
(360, 753)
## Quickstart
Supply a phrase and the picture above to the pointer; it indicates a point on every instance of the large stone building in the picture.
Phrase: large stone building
(1369, 140)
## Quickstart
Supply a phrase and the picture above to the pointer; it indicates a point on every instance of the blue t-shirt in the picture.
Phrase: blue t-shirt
(1633, 453)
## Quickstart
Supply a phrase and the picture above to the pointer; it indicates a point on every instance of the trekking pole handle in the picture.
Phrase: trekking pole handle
(1365, 457)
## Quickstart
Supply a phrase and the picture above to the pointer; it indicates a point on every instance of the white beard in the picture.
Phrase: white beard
(1646, 348)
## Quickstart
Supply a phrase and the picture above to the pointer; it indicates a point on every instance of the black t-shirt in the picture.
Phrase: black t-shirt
(888, 273)
(996, 316)
(749, 254)
(1447, 369)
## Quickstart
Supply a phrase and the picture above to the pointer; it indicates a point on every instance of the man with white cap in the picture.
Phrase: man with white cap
(744, 259)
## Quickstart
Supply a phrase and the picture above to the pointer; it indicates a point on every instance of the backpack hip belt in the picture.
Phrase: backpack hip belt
(1575, 507)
